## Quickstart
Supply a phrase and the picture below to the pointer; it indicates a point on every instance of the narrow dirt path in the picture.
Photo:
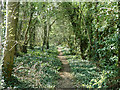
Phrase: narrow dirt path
(67, 78)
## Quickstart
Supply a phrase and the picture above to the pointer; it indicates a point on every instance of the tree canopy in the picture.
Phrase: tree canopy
(35, 35)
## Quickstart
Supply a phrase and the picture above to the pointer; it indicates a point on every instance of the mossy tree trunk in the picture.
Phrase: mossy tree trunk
(9, 47)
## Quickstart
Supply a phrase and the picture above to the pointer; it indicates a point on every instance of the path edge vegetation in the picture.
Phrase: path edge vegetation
(89, 29)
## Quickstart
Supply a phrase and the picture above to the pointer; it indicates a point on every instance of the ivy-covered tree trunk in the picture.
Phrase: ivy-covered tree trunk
(9, 48)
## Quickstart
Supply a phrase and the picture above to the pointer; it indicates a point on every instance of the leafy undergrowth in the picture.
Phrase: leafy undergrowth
(86, 73)
(37, 69)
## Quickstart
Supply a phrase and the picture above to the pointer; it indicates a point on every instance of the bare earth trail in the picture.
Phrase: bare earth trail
(67, 78)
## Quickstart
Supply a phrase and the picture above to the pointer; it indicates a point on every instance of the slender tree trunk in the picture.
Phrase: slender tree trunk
(16, 31)
(45, 35)
(9, 48)
(80, 39)
(24, 46)
(20, 37)
(47, 39)
(48, 29)
(0, 27)
(119, 33)
(89, 29)
(32, 37)
(0, 41)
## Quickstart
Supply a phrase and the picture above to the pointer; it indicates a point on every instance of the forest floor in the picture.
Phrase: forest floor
(57, 69)
(37, 68)
(67, 79)
(78, 73)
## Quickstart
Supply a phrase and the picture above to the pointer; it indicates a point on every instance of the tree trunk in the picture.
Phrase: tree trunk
(119, 33)
(32, 39)
(0, 27)
(48, 29)
(89, 30)
(9, 47)
(24, 48)
(47, 41)
(45, 35)
(27, 30)
(0, 41)
(16, 32)
(32, 36)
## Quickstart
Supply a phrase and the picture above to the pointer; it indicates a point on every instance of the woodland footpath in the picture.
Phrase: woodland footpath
(58, 45)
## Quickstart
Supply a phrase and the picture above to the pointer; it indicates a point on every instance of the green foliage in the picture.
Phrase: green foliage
(38, 68)
(88, 30)
(84, 72)
(89, 75)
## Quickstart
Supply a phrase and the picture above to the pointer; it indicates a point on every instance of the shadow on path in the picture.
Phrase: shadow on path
(66, 80)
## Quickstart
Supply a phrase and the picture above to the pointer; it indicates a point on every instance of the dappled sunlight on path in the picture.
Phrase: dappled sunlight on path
(66, 80)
